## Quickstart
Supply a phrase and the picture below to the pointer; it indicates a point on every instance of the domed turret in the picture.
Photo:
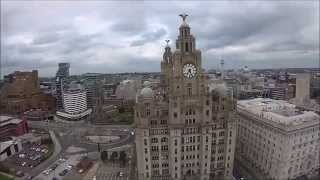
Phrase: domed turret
(146, 92)
(146, 84)
(221, 88)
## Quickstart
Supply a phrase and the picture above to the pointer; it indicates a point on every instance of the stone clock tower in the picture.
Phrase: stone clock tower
(184, 127)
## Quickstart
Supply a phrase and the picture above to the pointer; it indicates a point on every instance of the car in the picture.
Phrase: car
(53, 167)
(61, 160)
(121, 173)
(80, 171)
(29, 177)
(22, 155)
(69, 167)
(19, 174)
(47, 171)
(94, 178)
(38, 149)
(64, 172)
(23, 163)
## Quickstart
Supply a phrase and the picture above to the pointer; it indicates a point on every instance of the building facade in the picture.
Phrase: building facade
(276, 140)
(21, 92)
(185, 127)
(74, 103)
(61, 77)
(10, 126)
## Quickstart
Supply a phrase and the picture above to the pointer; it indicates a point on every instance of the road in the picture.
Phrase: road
(72, 160)
(61, 125)
(65, 135)
(110, 171)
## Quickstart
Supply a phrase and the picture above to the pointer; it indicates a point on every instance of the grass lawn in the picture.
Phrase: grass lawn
(123, 118)
(3, 177)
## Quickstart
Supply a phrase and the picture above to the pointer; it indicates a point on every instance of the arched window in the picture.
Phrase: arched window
(187, 47)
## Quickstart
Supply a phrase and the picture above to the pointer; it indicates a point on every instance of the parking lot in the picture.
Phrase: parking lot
(61, 168)
(28, 158)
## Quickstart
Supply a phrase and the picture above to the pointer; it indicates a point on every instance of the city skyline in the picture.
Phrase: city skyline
(94, 37)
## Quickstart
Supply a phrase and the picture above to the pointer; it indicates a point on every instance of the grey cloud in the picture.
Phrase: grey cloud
(269, 33)
(149, 37)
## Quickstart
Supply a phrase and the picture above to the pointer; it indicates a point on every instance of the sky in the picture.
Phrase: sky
(129, 36)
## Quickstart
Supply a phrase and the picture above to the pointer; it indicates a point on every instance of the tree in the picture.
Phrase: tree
(104, 156)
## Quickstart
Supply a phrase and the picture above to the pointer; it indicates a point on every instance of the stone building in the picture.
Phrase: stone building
(185, 127)
(21, 92)
(276, 140)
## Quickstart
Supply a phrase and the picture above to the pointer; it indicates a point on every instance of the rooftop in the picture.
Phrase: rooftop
(5, 120)
(277, 111)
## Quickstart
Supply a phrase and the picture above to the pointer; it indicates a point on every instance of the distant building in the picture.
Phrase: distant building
(109, 89)
(61, 77)
(9, 147)
(302, 87)
(11, 126)
(276, 140)
(74, 103)
(37, 115)
(127, 89)
(21, 92)
(91, 81)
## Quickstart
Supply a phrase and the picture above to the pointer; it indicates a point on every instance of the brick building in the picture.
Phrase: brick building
(10, 126)
(21, 92)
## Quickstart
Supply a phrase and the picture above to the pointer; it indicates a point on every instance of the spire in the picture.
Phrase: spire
(185, 41)
(167, 54)
(167, 41)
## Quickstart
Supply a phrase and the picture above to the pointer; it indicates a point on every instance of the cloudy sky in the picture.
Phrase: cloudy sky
(128, 36)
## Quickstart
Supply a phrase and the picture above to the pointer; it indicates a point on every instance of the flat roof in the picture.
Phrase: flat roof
(5, 120)
(277, 111)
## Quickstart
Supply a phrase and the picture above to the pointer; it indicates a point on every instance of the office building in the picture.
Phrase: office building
(21, 92)
(11, 126)
(302, 87)
(74, 103)
(276, 140)
(185, 127)
(61, 78)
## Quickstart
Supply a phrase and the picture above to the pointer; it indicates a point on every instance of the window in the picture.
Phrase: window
(145, 142)
(187, 47)
(189, 91)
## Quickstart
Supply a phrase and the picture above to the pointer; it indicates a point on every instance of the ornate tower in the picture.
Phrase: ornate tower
(184, 127)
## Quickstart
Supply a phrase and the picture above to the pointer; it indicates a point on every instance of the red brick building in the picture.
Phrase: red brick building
(21, 92)
(11, 126)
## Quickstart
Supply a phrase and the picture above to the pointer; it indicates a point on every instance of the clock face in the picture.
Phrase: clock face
(189, 70)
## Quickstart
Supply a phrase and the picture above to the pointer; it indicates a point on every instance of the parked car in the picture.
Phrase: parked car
(19, 174)
(53, 167)
(23, 163)
(69, 167)
(29, 177)
(22, 155)
(64, 172)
